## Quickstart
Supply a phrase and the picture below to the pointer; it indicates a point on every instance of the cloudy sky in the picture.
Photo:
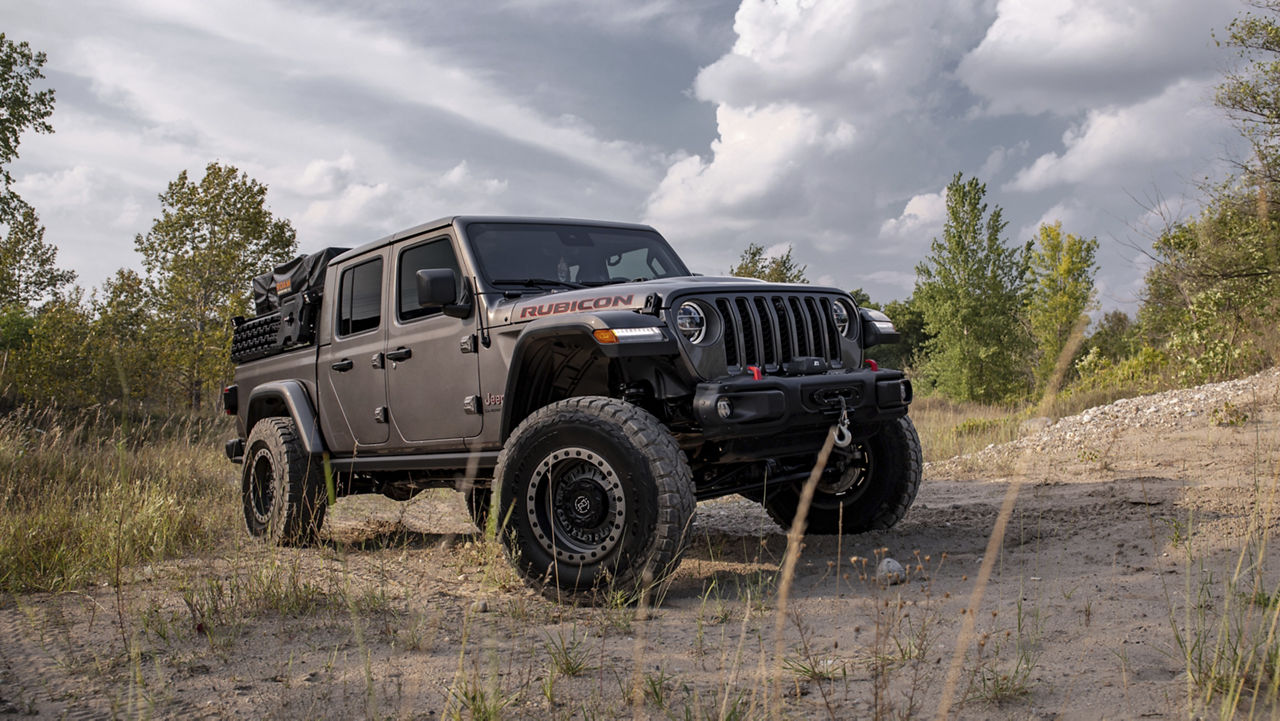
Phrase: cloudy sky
(829, 125)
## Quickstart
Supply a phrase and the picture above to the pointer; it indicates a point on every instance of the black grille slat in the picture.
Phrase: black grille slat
(733, 342)
(804, 331)
(832, 335)
(786, 329)
(768, 331)
(819, 327)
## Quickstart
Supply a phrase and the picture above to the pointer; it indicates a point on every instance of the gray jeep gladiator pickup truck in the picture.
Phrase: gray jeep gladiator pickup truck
(575, 374)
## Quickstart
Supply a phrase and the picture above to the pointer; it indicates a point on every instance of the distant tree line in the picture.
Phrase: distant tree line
(160, 338)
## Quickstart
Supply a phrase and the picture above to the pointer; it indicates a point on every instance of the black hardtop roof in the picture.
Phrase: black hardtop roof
(447, 221)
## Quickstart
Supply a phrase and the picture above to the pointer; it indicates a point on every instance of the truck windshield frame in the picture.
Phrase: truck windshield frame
(547, 255)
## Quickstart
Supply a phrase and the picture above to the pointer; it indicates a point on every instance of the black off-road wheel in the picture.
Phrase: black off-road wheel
(596, 498)
(282, 485)
(873, 490)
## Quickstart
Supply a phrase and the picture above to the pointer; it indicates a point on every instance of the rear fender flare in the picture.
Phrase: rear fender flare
(287, 398)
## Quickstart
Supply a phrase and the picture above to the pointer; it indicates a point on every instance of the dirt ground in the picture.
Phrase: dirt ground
(406, 613)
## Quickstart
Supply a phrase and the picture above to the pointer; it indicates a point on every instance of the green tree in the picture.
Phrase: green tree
(778, 269)
(1062, 272)
(1213, 295)
(54, 365)
(909, 322)
(863, 299)
(971, 292)
(1250, 94)
(121, 359)
(21, 109)
(211, 238)
(27, 270)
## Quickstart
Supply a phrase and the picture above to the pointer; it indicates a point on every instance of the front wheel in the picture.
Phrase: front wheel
(595, 496)
(873, 491)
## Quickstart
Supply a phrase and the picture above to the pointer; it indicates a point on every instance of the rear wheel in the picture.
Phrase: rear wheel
(281, 485)
(595, 496)
(873, 491)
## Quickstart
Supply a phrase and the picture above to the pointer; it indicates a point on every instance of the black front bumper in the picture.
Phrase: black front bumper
(777, 403)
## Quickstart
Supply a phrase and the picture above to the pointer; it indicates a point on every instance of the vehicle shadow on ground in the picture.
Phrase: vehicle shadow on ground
(376, 535)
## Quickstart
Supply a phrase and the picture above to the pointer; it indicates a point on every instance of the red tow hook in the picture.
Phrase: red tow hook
(872, 365)
(755, 372)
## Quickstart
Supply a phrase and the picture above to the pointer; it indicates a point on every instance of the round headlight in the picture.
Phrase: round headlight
(840, 315)
(691, 322)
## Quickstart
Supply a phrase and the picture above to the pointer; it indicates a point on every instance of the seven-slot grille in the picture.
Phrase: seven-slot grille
(769, 330)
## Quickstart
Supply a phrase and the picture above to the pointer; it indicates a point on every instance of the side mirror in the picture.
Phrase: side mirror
(437, 287)
(877, 329)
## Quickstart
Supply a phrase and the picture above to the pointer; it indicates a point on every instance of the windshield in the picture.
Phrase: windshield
(570, 256)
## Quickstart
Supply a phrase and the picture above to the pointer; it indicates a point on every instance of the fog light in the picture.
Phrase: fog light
(724, 408)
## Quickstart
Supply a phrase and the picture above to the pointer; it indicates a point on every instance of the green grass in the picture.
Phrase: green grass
(86, 493)
(948, 428)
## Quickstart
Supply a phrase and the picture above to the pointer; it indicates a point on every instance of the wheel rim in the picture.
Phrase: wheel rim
(262, 486)
(575, 505)
(854, 479)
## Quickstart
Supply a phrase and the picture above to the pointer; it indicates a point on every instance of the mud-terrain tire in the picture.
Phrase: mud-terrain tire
(282, 486)
(596, 499)
(478, 501)
(874, 494)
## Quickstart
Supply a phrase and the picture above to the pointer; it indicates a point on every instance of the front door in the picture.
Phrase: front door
(352, 368)
(433, 373)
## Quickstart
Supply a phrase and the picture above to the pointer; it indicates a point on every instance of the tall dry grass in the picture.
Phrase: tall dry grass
(87, 492)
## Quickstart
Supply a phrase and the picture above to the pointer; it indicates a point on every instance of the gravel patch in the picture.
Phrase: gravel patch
(1159, 413)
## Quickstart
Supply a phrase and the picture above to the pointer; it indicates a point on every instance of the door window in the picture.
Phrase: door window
(360, 292)
(434, 254)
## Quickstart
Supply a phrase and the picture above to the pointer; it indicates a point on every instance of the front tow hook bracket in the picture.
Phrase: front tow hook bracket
(843, 436)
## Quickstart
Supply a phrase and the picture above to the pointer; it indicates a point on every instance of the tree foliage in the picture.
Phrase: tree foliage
(21, 108)
(909, 323)
(1214, 293)
(776, 269)
(1250, 94)
(27, 270)
(971, 291)
(1061, 290)
(120, 357)
(53, 366)
(212, 236)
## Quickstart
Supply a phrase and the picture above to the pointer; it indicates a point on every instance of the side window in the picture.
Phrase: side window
(437, 253)
(360, 294)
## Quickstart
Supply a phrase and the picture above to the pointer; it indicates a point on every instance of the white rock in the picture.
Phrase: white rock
(890, 571)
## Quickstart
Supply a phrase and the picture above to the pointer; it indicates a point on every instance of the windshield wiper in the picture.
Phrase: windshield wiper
(537, 281)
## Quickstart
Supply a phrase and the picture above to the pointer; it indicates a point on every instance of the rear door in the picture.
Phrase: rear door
(433, 373)
(352, 367)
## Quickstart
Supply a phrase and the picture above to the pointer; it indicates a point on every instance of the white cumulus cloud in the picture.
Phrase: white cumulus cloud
(1064, 56)
(1128, 144)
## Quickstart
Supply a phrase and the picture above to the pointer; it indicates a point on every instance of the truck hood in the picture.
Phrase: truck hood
(629, 296)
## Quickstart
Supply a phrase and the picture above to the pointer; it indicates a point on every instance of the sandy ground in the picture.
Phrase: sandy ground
(404, 613)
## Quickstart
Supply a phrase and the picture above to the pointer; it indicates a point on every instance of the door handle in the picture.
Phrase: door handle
(400, 354)
(343, 365)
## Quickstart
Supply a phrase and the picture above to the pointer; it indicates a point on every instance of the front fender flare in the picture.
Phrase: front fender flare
(577, 329)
